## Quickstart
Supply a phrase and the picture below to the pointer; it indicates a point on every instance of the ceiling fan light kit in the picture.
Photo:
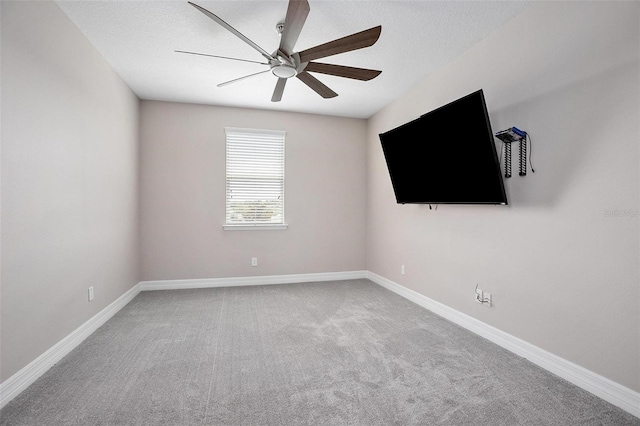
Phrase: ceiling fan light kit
(284, 63)
(284, 71)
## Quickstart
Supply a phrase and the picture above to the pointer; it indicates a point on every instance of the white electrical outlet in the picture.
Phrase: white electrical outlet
(486, 298)
(483, 297)
(254, 261)
(90, 294)
(402, 269)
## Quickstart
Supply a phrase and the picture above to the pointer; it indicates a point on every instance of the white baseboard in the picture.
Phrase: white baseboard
(15, 384)
(610, 391)
(247, 281)
(600, 386)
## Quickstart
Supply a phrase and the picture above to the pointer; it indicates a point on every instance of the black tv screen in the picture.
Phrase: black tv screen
(447, 156)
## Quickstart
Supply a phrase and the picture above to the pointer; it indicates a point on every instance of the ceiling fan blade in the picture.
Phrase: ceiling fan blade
(233, 30)
(297, 12)
(342, 71)
(355, 41)
(241, 78)
(220, 57)
(277, 92)
(316, 85)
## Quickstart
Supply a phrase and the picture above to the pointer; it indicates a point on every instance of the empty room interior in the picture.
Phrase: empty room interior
(320, 212)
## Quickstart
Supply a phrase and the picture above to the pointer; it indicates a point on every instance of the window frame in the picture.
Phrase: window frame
(255, 226)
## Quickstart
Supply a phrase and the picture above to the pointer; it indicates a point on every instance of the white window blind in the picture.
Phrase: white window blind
(255, 178)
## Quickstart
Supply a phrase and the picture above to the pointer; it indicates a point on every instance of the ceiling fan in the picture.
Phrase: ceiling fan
(284, 63)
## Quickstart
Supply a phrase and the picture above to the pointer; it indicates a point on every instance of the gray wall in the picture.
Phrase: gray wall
(69, 182)
(562, 259)
(183, 195)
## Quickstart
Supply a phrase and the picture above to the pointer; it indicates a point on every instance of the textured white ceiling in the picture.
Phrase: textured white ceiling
(138, 39)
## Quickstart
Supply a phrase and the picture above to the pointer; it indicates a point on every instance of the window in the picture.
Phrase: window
(255, 179)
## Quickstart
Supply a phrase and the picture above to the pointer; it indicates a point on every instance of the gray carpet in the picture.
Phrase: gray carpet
(333, 353)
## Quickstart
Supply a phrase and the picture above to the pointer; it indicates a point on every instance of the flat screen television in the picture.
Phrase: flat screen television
(447, 156)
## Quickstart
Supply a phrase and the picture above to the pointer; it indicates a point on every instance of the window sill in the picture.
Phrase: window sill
(277, 227)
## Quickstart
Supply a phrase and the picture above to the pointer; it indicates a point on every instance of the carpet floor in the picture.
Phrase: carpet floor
(331, 353)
